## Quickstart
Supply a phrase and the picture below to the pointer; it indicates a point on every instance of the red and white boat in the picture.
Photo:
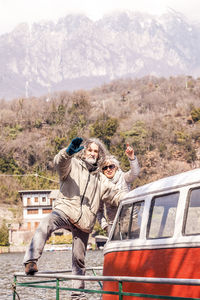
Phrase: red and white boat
(156, 233)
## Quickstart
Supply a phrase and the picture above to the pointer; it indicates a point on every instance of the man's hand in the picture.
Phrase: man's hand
(74, 146)
(130, 152)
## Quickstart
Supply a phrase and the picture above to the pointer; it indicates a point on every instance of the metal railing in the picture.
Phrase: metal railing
(57, 277)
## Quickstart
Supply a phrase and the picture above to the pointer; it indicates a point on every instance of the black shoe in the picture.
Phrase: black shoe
(31, 268)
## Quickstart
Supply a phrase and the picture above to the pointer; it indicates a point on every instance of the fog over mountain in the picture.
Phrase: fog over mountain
(78, 53)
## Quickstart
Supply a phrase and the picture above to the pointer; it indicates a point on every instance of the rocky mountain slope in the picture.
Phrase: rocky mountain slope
(77, 53)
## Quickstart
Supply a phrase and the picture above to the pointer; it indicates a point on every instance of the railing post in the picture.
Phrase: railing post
(120, 290)
(57, 289)
(14, 287)
(99, 282)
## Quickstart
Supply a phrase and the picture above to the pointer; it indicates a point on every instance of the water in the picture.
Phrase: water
(50, 261)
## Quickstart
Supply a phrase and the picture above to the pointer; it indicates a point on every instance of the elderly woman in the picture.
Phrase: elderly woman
(123, 180)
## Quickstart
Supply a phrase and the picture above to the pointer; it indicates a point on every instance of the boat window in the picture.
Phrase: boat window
(192, 224)
(162, 216)
(128, 222)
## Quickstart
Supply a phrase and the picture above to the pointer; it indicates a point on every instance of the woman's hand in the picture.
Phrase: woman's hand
(130, 152)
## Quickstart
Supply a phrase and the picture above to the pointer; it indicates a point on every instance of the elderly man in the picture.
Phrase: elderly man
(82, 186)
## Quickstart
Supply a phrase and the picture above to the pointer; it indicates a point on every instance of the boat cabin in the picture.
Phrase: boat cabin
(156, 233)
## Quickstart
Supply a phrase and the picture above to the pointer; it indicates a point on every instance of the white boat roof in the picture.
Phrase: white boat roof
(166, 183)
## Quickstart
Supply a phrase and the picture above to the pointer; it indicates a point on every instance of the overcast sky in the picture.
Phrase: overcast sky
(13, 12)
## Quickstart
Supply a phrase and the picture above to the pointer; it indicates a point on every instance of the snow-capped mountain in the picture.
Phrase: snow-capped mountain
(77, 52)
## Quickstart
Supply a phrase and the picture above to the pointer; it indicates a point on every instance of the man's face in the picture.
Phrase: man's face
(92, 153)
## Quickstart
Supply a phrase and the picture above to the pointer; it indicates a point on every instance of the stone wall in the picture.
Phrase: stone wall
(21, 237)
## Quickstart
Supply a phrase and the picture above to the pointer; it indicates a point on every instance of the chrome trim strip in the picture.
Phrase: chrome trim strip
(116, 246)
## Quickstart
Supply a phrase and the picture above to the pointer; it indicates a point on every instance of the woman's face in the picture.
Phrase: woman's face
(109, 169)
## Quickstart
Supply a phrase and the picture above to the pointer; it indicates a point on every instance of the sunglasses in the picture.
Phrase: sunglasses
(108, 167)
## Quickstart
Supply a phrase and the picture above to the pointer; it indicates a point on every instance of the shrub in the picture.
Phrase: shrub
(195, 114)
(98, 230)
(8, 164)
(190, 153)
(12, 132)
(60, 239)
(59, 142)
(162, 148)
(56, 114)
(38, 123)
(137, 137)
(4, 235)
(180, 137)
(104, 128)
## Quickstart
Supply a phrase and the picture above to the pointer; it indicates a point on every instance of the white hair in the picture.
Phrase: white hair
(112, 159)
(102, 150)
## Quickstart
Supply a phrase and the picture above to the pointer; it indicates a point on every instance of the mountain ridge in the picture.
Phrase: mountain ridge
(78, 53)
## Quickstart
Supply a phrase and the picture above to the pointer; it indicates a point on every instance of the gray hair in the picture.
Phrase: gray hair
(112, 159)
(102, 149)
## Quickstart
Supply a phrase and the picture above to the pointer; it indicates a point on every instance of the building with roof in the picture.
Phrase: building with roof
(36, 205)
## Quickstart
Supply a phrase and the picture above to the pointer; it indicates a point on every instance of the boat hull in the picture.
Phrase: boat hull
(161, 263)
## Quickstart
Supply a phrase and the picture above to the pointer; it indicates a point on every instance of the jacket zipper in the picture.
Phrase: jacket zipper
(83, 197)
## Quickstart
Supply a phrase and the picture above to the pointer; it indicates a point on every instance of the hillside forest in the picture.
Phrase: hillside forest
(159, 117)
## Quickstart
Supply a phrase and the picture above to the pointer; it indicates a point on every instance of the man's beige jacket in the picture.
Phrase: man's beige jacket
(81, 191)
